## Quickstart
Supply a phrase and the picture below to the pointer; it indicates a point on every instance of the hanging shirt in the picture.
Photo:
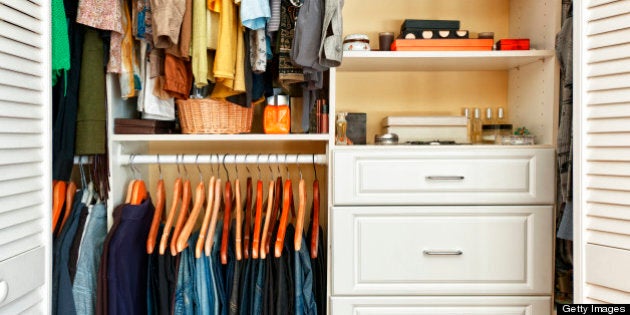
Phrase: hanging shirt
(167, 18)
(60, 44)
(199, 43)
(255, 13)
(101, 14)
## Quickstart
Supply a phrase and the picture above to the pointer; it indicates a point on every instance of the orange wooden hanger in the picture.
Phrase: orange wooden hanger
(248, 218)
(263, 250)
(59, 196)
(160, 200)
(183, 214)
(129, 191)
(277, 198)
(258, 217)
(215, 214)
(299, 226)
(227, 200)
(282, 228)
(139, 193)
(206, 219)
(315, 219)
(200, 197)
(177, 191)
(191, 221)
(239, 219)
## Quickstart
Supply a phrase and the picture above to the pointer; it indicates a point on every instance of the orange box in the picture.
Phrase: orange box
(441, 44)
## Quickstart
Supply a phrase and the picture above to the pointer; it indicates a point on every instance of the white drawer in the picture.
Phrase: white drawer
(455, 175)
(441, 305)
(452, 250)
(20, 275)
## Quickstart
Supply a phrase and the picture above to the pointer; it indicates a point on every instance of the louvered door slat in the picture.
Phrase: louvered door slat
(25, 155)
(609, 53)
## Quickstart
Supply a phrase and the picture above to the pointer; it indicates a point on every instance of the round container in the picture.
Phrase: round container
(385, 40)
(359, 42)
(386, 139)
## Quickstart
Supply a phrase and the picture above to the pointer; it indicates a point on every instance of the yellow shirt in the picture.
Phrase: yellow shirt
(229, 67)
(199, 43)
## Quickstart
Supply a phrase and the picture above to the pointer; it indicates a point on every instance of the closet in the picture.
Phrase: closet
(446, 229)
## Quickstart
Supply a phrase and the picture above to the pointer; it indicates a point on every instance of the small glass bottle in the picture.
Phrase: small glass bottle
(488, 119)
(340, 129)
(501, 116)
(476, 126)
(469, 133)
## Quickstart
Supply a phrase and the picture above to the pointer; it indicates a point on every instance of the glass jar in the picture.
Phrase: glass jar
(490, 133)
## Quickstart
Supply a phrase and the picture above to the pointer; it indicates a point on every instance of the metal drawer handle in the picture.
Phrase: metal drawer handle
(4, 290)
(444, 178)
(442, 252)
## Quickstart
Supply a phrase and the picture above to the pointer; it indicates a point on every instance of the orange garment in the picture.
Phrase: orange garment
(177, 77)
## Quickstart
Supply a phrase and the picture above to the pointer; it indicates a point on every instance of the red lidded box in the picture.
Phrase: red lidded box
(513, 44)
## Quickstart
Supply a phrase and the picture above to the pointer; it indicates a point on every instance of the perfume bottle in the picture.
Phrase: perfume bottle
(469, 133)
(476, 126)
(341, 126)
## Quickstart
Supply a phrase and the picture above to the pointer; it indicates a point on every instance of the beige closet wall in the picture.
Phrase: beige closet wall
(424, 93)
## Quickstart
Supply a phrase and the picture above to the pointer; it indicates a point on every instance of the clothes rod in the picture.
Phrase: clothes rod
(224, 158)
(82, 159)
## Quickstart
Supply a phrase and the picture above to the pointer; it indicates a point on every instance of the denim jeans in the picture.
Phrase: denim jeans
(186, 297)
(84, 287)
(245, 299)
(206, 290)
(259, 287)
(304, 298)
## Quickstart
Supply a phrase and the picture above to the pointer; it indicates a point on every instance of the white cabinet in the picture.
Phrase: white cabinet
(481, 228)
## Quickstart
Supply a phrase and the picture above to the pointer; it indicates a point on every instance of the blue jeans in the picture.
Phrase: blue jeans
(186, 297)
(304, 298)
(206, 289)
(257, 308)
(84, 287)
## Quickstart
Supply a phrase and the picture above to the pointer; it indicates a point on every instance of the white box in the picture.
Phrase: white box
(427, 128)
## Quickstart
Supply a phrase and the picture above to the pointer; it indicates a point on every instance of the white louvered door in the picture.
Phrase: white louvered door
(25, 157)
(602, 142)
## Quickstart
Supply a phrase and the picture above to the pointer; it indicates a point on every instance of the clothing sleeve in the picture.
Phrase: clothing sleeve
(168, 16)
(330, 52)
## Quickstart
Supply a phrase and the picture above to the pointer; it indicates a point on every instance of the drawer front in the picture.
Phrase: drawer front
(442, 250)
(441, 305)
(20, 275)
(470, 175)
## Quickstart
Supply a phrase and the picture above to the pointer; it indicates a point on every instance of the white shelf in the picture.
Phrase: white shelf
(440, 60)
(219, 138)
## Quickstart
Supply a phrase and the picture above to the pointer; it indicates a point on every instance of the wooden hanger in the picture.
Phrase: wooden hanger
(59, 196)
(191, 221)
(215, 214)
(263, 250)
(239, 219)
(139, 193)
(299, 225)
(206, 219)
(282, 228)
(160, 200)
(248, 218)
(227, 200)
(129, 191)
(277, 205)
(183, 214)
(177, 190)
(71, 190)
(315, 218)
(258, 216)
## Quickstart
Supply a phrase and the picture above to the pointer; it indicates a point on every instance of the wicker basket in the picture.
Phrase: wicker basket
(213, 116)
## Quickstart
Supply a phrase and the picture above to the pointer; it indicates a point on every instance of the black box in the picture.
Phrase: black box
(430, 24)
(356, 127)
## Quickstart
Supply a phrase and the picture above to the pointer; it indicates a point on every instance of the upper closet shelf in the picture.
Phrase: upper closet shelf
(440, 60)
(219, 138)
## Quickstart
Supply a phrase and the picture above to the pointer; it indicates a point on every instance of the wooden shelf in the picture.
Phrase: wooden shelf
(440, 60)
(166, 138)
